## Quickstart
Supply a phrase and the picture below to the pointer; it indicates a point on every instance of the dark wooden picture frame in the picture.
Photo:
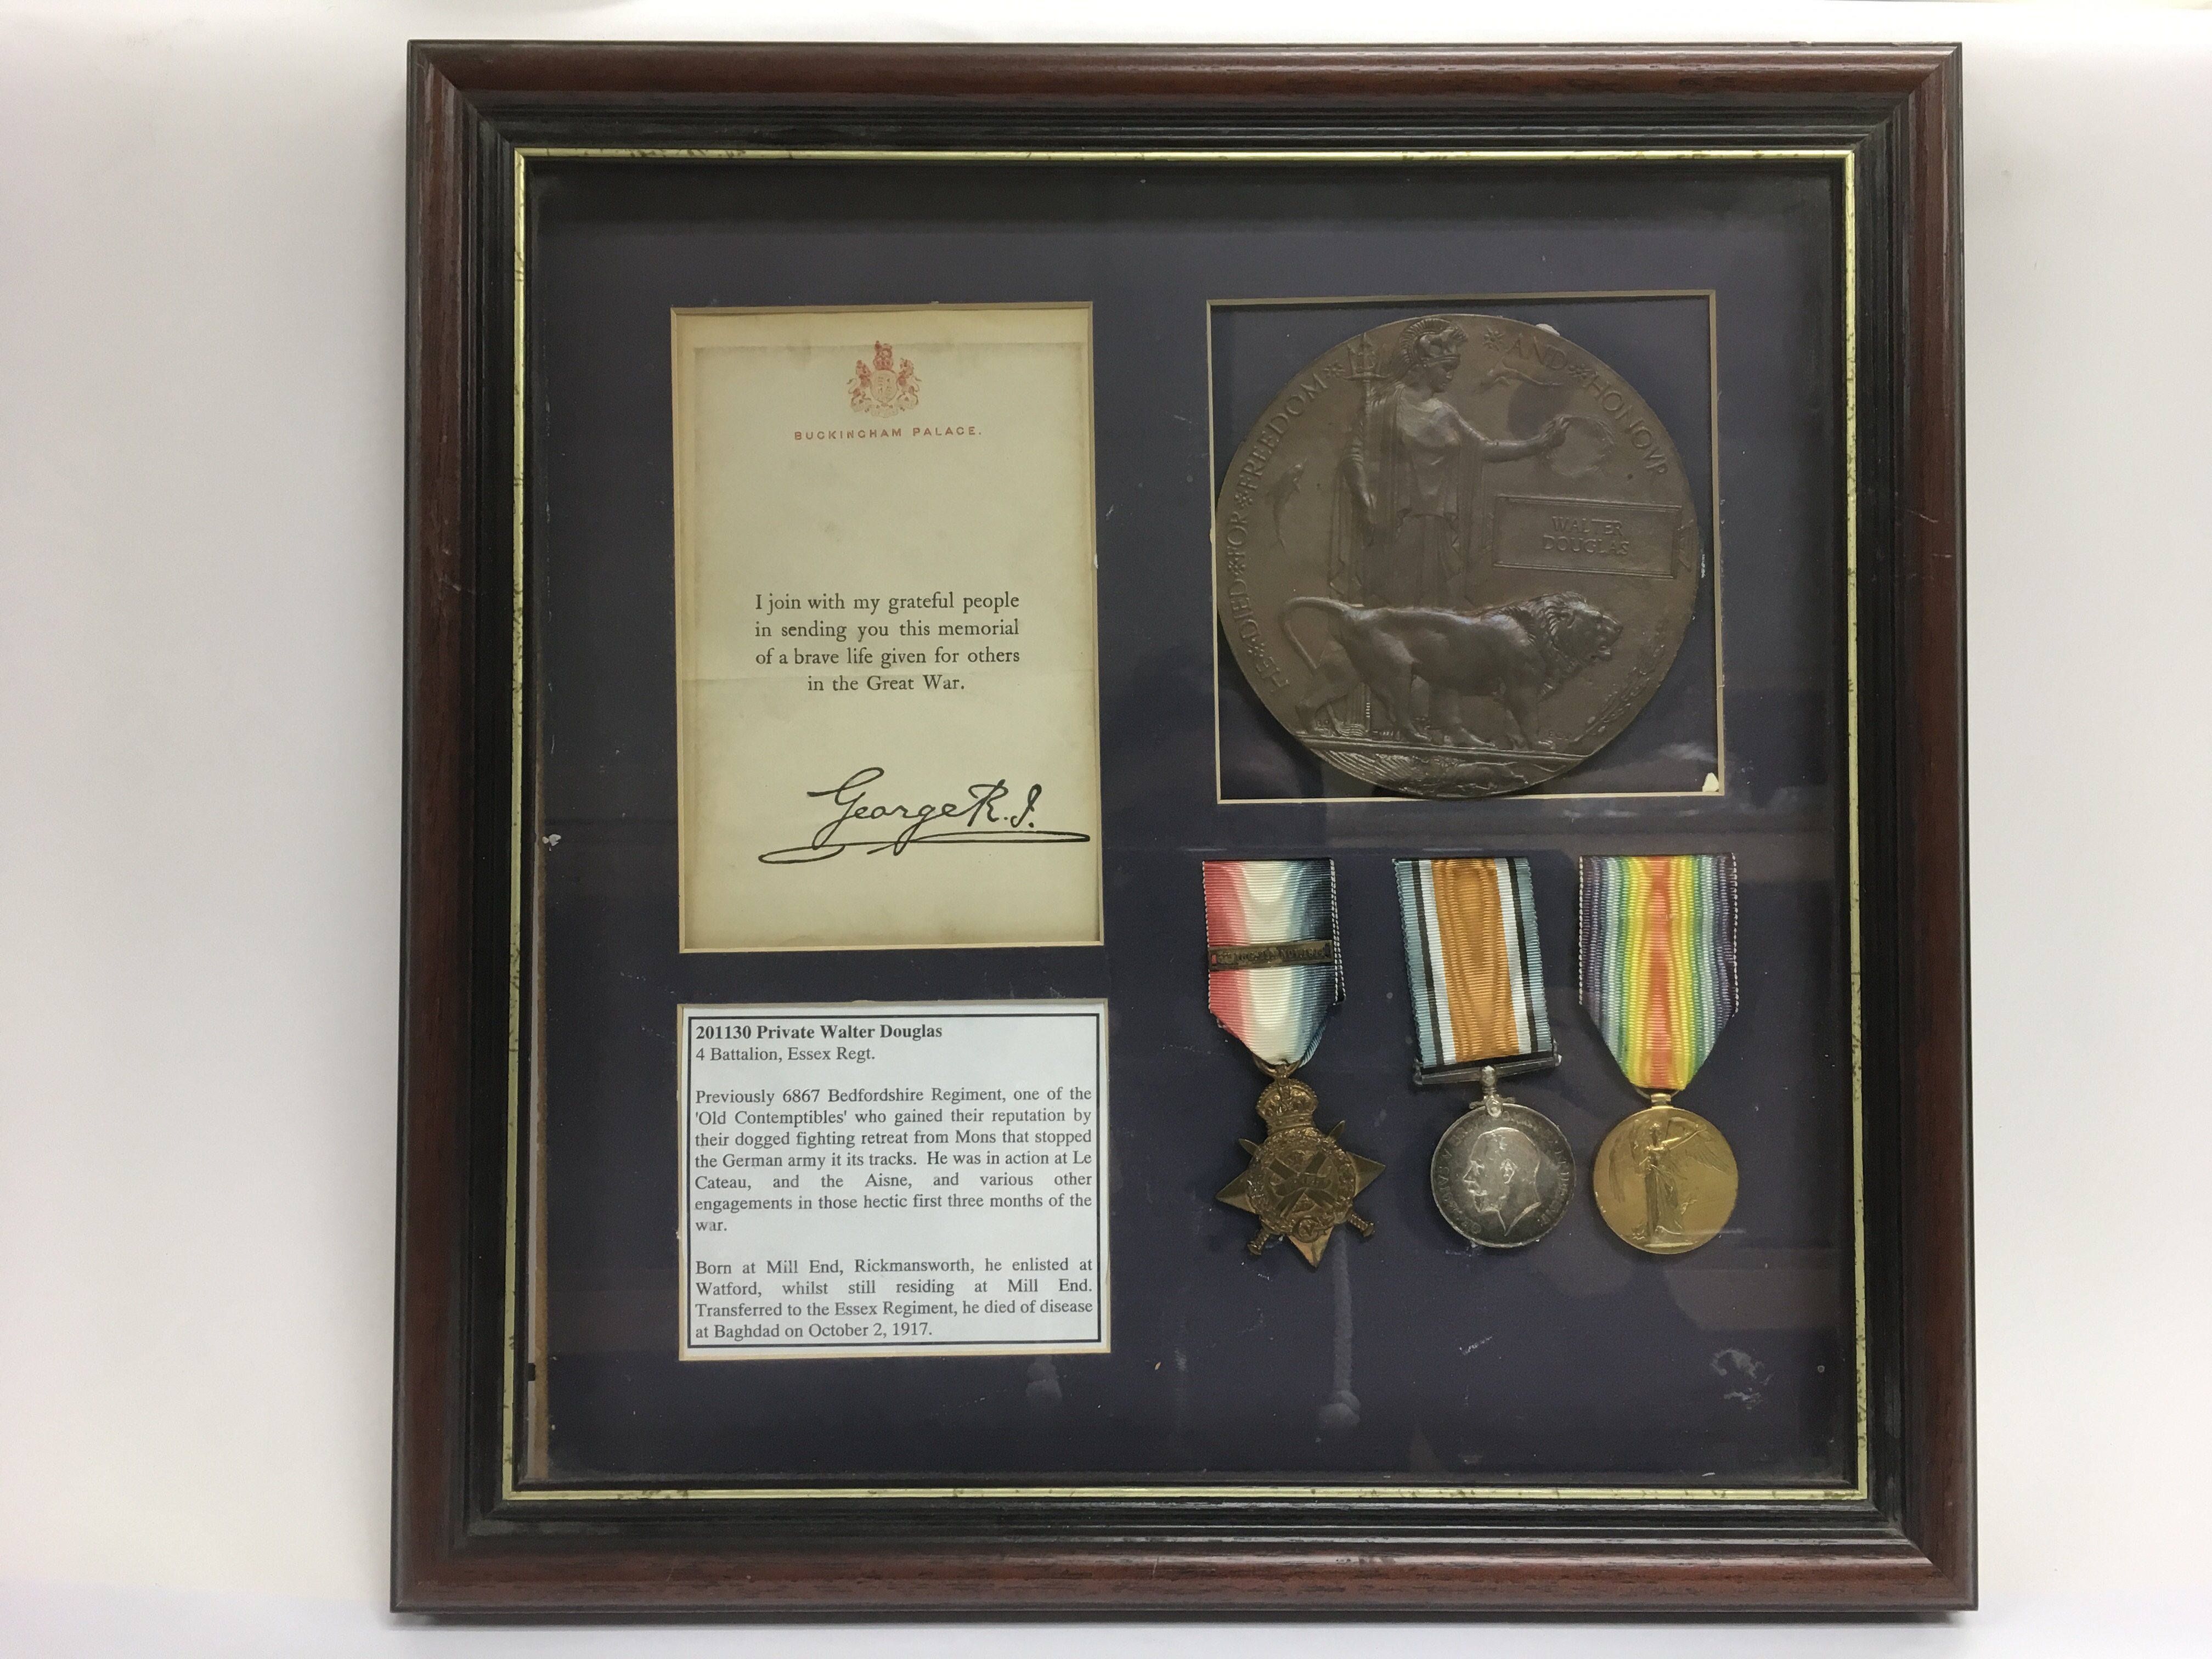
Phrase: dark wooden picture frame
(459, 1545)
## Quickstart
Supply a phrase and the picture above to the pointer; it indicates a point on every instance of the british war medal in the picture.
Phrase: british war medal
(1660, 980)
(1273, 975)
(1456, 555)
(1502, 1172)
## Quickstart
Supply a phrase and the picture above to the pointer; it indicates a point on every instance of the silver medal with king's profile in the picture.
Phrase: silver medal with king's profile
(1456, 555)
(1502, 1173)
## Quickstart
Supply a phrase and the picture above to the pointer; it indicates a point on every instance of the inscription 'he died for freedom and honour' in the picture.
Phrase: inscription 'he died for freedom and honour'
(874, 1178)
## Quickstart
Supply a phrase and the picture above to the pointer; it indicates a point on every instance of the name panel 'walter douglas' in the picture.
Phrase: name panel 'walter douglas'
(886, 627)
(876, 1179)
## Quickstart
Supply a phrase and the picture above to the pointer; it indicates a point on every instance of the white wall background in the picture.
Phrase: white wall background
(201, 314)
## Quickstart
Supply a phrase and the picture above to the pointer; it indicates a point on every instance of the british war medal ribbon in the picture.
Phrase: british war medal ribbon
(1473, 960)
(1661, 981)
(1275, 972)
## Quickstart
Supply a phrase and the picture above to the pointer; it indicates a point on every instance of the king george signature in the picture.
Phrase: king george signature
(989, 817)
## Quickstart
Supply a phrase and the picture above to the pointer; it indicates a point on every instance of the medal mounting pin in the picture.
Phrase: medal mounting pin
(1487, 1073)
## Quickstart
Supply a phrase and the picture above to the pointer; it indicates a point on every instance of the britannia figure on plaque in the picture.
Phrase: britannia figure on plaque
(1411, 474)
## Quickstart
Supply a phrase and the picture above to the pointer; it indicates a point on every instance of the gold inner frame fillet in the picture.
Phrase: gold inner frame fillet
(1464, 1490)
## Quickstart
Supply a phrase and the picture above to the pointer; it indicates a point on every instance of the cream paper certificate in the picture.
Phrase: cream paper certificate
(886, 633)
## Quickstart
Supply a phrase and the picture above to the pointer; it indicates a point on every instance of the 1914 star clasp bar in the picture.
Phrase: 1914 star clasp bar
(1302, 1183)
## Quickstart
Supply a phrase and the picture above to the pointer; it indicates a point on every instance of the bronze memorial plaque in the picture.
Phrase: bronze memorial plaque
(1456, 555)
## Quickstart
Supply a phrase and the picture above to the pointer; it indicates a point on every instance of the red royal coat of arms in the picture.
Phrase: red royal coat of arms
(888, 388)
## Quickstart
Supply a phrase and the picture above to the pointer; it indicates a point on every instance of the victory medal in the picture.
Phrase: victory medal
(1273, 973)
(1502, 1172)
(1660, 980)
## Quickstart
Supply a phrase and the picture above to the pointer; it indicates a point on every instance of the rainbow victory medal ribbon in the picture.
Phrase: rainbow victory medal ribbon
(1273, 976)
(1502, 1173)
(1659, 977)
(1659, 962)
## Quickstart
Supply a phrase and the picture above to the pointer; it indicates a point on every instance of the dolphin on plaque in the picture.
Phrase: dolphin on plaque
(1456, 555)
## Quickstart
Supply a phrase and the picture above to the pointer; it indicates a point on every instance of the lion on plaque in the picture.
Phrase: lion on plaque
(1514, 655)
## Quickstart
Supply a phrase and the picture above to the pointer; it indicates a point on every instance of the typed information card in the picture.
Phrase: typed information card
(872, 1178)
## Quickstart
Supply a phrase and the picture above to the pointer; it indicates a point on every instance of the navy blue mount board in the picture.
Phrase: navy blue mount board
(1579, 1361)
